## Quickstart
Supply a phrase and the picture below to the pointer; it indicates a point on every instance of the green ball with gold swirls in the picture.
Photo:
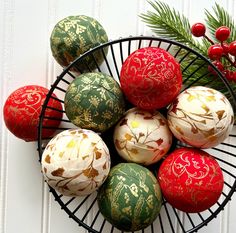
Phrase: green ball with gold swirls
(75, 35)
(130, 198)
(94, 101)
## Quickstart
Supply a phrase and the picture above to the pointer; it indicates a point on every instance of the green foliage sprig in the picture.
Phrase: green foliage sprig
(168, 23)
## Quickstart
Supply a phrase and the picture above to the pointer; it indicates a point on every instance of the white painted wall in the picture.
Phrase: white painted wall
(25, 58)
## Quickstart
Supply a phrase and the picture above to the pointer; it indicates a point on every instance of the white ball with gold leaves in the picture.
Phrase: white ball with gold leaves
(76, 162)
(142, 136)
(201, 117)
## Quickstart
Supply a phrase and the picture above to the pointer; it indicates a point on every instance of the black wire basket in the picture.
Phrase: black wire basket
(196, 70)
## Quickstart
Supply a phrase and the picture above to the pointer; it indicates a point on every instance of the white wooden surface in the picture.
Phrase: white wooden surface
(25, 58)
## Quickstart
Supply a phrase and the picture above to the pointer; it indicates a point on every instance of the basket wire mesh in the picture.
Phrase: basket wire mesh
(195, 70)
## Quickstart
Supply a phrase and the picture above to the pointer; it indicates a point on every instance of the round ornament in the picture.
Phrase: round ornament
(191, 180)
(94, 101)
(142, 136)
(75, 35)
(150, 78)
(76, 162)
(22, 110)
(201, 117)
(130, 199)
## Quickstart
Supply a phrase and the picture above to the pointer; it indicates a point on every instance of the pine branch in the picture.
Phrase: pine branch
(221, 18)
(174, 25)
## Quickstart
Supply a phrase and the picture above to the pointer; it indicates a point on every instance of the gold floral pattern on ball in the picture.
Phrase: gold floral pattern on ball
(130, 198)
(76, 162)
(201, 117)
(94, 101)
(73, 36)
(142, 136)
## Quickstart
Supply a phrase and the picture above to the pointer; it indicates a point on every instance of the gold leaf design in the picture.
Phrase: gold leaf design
(71, 144)
(203, 122)
(210, 98)
(90, 172)
(209, 132)
(61, 154)
(98, 154)
(205, 108)
(220, 114)
(47, 159)
(179, 130)
(104, 167)
(135, 124)
(128, 137)
(59, 172)
(84, 157)
(141, 134)
(191, 97)
(85, 135)
(45, 170)
(159, 141)
(134, 151)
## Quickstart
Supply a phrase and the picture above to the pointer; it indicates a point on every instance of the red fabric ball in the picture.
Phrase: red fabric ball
(150, 78)
(191, 180)
(22, 110)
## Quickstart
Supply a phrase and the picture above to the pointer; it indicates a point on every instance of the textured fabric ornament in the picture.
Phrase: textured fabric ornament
(75, 35)
(94, 101)
(150, 78)
(191, 180)
(201, 117)
(76, 162)
(22, 110)
(130, 199)
(142, 136)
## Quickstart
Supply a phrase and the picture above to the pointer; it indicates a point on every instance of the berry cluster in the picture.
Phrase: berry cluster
(222, 54)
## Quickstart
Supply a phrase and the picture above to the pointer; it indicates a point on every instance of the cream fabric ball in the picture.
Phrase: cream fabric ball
(201, 117)
(76, 162)
(142, 136)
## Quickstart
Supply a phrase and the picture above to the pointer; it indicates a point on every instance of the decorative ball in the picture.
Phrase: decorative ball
(151, 78)
(75, 35)
(191, 180)
(142, 136)
(130, 199)
(201, 117)
(94, 101)
(22, 110)
(76, 162)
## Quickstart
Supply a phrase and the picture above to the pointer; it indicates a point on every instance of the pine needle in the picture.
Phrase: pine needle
(173, 25)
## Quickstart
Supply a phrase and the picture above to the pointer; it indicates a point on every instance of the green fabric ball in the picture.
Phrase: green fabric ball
(94, 101)
(73, 36)
(130, 199)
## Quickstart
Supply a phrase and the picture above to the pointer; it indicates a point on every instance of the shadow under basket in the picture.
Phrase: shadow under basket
(195, 71)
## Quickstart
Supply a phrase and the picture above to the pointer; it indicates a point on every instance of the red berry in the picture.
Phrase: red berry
(222, 33)
(215, 52)
(232, 48)
(226, 48)
(229, 75)
(219, 66)
(198, 29)
(234, 76)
